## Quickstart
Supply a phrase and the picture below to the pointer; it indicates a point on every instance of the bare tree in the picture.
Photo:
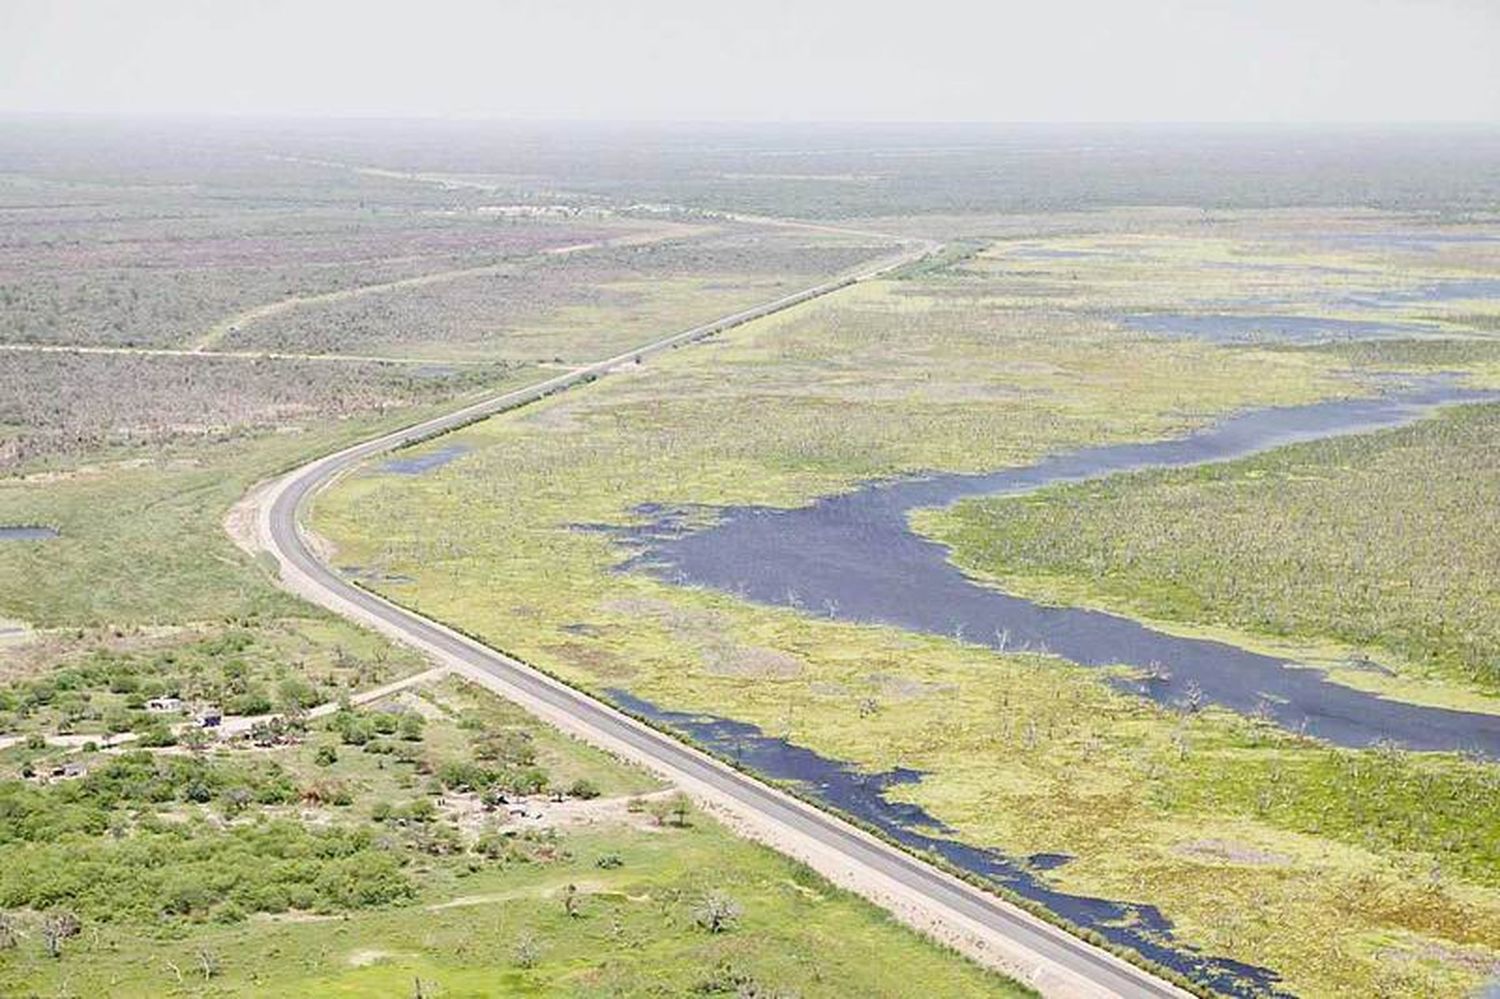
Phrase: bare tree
(528, 950)
(10, 933)
(1192, 700)
(681, 806)
(717, 913)
(56, 927)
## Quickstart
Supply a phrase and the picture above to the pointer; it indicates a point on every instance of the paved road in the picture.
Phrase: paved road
(1052, 960)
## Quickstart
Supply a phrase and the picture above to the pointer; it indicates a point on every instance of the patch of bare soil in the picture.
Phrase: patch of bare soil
(902, 688)
(530, 891)
(710, 631)
(240, 521)
(1473, 959)
(88, 472)
(29, 652)
(1234, 853)
(295, 917)
(13, 633)
(539, 812)
(598, 661)
(410, 700)
(561, 416)
(751, 662)
(687, 622)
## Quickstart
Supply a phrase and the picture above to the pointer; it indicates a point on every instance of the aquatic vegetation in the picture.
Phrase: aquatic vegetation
(982, 362)
(1386, 542)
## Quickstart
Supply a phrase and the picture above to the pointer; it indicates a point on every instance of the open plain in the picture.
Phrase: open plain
(559, 533)
(1112, 548)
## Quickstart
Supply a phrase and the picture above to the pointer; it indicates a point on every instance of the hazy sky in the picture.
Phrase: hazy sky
(990, 60)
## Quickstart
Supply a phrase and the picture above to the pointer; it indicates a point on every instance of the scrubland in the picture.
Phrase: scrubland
(1384, 542)
(358, 854)
(571, 307)
(326, 847)
(366, 850)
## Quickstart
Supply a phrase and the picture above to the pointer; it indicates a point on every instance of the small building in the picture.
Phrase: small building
(164, 705)
(64, 771)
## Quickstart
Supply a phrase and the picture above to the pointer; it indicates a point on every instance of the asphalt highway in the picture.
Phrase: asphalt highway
(1054, 961)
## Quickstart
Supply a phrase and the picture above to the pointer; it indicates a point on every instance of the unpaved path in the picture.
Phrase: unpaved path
(217, 333)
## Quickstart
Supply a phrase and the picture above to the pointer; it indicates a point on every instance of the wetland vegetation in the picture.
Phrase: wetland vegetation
(992, 360)
(1385, 543)
(179, 328)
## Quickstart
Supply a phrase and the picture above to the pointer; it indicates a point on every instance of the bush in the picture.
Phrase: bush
(181, 871)
(717, 913)
(229, 913)
(420, 810)
(156, 735)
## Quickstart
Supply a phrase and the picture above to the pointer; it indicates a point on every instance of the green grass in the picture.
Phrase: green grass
(377, 906)
(92, 684)
(1386, 542)
(571, 308)
(172, 874)
(985, 363)
(142, 530)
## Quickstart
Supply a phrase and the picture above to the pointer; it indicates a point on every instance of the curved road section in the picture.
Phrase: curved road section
(977, 922)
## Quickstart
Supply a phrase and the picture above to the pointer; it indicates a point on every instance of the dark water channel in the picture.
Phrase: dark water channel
(1239, 328)
(425, 461)
(853, 557)
(1141, 928)
(27, 532)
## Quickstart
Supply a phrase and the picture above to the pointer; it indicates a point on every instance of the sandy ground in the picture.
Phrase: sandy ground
(540, 812)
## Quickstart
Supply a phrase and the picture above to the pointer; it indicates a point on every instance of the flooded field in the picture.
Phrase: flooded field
(835, 784)
(426, 461)
(1228, 328)
(26, 532)
(854, 557)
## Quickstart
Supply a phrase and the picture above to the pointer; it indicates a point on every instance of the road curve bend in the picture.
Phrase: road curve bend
(988, 928)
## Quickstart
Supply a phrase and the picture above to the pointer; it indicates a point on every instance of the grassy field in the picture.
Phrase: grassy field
(134, 253)
(371, 853)
(570, 308)
(993, 360)
(364, 859)
(1382, 542)
(142, 537)
(352, 862)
